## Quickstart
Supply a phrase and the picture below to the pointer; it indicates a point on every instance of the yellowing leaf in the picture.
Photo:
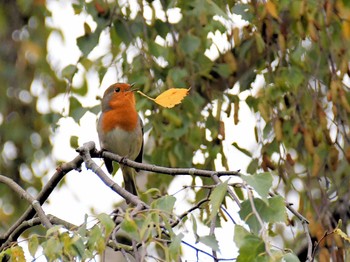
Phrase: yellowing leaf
(339, 232)
(169, 98)
(346, 29)
(271, 9)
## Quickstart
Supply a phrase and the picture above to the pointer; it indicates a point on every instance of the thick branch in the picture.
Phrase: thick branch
(160, 169)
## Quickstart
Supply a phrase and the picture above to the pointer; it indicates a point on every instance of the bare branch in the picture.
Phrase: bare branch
(177, 221)
(158, 169)
(42, 197)
(309, 241)
(291, 209)
(84, 151)
(24, 194)
(35, 222)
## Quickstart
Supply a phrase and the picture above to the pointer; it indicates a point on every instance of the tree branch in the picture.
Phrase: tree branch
(35, 222)
(24, 194)
(41, 198)
(264, 233)
(160, 169)
(84, 151)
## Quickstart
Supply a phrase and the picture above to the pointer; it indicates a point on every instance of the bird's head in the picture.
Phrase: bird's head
(119, 94)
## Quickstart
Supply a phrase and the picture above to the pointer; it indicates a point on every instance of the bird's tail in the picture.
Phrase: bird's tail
(129, 179)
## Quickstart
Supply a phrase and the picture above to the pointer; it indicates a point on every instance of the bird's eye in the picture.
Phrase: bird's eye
(117, 90)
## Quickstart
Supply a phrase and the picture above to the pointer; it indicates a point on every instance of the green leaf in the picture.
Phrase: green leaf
(223, 69)
(130, 227)
(239, 235)
(156, 49)
(165, 203)
(194, 225)
(253, 166)
(88, 42)
(147, 226)
(94, 235)
(249, 217)
(175, 247)
(244, 11)
(52, 248)
(76, 110)
(190, 44)
(252, 249)
(69, 71)
(78, 245)
(244, 151)
(95, 109)
(216, 198)
(260, 44)
(272, 211)
(82, 228)
(277, 210)
(33, 244)
(239, 192)
(78, 8)
(161, 28)
(81, 90)
(216, 9)
(176, 77)
(290, 257)
(53, 230)
(260, 182)
(123, 32)
(74, 141)
(210, 241)
(107, 223)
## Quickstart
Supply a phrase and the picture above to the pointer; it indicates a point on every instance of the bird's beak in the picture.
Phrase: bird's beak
(132, 88)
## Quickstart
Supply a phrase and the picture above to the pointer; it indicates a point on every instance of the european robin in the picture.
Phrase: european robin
(120, 130)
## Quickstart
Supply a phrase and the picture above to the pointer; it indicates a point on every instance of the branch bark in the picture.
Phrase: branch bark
(41, 198)
(32, 201)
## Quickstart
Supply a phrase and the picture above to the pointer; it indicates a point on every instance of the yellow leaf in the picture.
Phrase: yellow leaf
(339, 232)
(271, 9)
(169, 98)
(346, 29)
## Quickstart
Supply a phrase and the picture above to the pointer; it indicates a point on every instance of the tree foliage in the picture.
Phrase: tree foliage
(287, 61)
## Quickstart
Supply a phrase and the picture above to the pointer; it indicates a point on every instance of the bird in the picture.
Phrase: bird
(120, 130)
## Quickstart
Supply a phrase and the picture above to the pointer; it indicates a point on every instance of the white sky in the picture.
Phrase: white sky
(84, 191)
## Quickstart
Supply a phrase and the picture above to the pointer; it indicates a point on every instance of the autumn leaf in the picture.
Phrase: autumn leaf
(340, 233)
(169, 98)
(272, 10)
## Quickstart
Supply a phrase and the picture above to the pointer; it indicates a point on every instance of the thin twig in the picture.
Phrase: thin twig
(305, 223)
(206, 253)
(309, 241)
(228, 214)
(264, 234)
(217, 180)
(177, 221)
(291, 209)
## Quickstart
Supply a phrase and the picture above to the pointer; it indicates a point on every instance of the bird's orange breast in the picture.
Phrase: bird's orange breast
(121, 117)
